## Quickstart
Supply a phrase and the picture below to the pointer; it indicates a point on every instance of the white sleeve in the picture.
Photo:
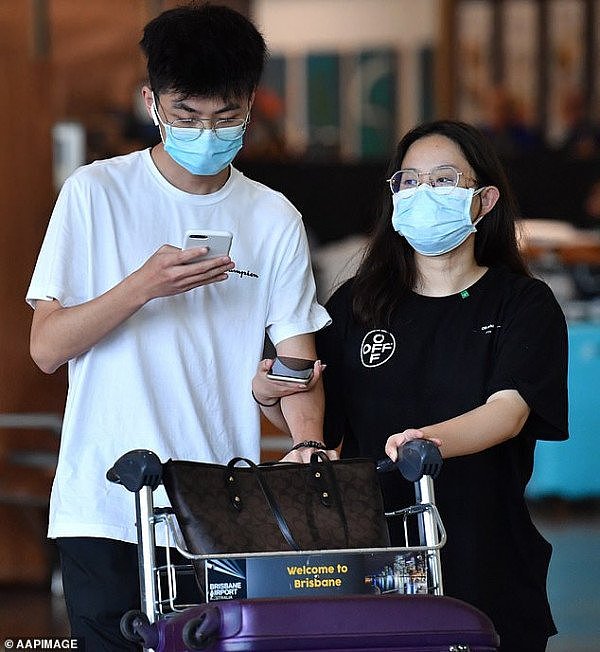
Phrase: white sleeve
(293, 307)
(60, 271)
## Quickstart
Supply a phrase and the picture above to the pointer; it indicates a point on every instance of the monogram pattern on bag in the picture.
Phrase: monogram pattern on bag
(210, 523)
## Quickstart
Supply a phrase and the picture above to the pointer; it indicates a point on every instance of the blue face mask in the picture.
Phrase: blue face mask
(201, 153)
(434, 223)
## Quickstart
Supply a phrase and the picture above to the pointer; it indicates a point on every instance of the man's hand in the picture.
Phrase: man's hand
(302, 455)
(170, 271)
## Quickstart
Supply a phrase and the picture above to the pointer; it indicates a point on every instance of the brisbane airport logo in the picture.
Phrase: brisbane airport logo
(377, 348)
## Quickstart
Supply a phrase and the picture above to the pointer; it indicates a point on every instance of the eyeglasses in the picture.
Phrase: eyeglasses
(188, 129)
(443, 179)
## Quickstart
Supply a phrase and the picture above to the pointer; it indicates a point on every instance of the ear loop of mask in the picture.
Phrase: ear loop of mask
(477, 220)
(156, 118)
(154, 112)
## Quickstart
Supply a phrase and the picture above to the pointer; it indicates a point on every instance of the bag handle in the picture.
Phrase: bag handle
(319, 461)
(236, 499)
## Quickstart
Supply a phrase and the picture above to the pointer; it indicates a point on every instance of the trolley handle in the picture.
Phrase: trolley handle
(136, 469)
(416, 458)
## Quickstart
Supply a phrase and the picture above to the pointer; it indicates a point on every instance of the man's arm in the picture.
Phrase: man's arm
(301, 407)
(59, 334)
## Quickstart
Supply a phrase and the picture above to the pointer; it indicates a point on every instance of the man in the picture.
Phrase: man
(162, 343)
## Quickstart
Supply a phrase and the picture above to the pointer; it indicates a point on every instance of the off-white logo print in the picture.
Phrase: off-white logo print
(377, 348)
(487, 329)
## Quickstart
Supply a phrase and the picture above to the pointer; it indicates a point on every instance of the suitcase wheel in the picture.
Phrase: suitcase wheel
(200, 633)
(131, 623)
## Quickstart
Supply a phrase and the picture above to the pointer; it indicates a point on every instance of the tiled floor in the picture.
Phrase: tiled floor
(574, 577)
(574, 585)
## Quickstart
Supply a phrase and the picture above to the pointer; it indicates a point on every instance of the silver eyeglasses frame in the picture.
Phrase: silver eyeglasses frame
(441, 189)
(197, 126)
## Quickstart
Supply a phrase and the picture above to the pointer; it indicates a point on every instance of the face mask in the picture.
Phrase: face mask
(202, 154)
(431, 222)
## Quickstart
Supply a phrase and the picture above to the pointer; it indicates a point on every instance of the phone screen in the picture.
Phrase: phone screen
(291, 369)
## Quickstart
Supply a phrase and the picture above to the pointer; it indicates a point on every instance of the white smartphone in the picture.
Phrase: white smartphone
(218, 243)
(293, 370)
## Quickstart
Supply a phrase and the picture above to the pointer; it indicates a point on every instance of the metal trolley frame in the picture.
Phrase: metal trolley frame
(140, 471)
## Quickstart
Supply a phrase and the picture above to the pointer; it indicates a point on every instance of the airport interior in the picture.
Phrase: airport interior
(344, 81)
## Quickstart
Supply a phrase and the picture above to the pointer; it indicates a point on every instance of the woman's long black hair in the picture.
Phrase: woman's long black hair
(388, 270)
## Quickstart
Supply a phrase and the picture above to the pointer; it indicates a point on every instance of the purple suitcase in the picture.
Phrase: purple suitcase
(405, 623)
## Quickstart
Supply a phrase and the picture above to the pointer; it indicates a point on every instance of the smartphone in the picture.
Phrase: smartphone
(218, 243)
(293, 370)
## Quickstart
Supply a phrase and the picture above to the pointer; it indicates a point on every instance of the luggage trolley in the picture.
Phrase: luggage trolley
(427, 621)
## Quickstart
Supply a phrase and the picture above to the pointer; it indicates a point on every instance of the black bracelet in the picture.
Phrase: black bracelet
(265, 404)
(309, 443)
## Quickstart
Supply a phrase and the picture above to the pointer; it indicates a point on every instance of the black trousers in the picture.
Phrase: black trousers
(101, 583)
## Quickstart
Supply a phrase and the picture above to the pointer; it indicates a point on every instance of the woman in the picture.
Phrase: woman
(444, 334)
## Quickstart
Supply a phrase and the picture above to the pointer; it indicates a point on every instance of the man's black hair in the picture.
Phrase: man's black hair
(203, 50)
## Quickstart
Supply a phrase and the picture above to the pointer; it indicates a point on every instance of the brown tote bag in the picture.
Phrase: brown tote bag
(322, 505)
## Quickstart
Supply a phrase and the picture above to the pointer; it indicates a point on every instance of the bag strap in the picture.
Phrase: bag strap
(319, 463)
(282, 524)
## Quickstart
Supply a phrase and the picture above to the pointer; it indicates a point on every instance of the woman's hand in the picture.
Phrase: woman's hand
(268, 391)
(400, 438)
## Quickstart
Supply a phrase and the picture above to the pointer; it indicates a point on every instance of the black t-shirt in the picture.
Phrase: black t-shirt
(441, 357)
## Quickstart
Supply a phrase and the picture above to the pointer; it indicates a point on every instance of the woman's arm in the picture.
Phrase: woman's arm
(501, 417)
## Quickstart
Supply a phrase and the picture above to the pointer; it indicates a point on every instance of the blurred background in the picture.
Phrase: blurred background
(346, 78)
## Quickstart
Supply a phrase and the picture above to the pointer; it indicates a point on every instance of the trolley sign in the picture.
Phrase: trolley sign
(325, 573)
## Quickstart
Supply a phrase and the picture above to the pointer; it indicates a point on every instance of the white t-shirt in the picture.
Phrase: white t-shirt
(175, 377)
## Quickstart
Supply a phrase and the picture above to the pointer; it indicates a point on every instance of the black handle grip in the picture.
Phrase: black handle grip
(136, 469)
(416, 458)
